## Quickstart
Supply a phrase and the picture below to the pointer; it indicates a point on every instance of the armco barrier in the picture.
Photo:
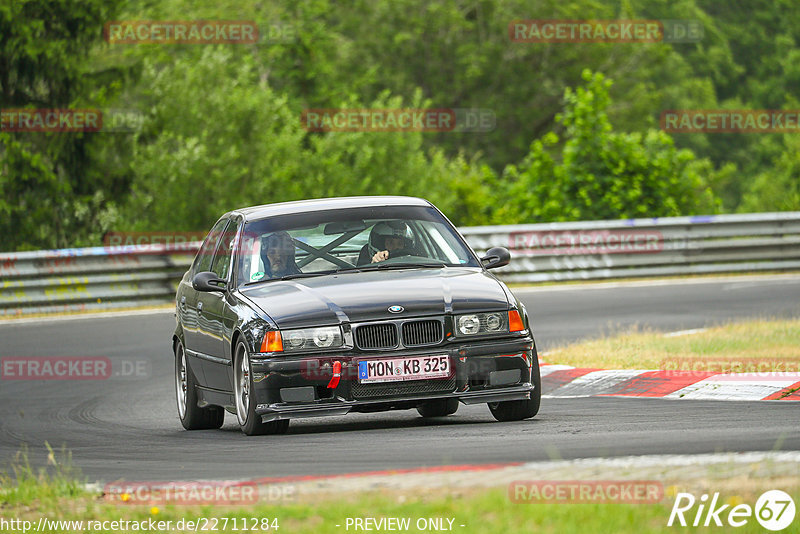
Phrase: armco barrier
(54, 281)
(668, 246)
(109, 277)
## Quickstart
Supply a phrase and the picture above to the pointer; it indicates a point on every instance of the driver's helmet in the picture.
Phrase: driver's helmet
(382, 230)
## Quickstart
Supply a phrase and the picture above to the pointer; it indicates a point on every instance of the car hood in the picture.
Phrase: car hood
(357, 297)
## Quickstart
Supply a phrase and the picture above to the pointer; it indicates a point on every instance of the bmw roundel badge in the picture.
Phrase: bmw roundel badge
(396, 309)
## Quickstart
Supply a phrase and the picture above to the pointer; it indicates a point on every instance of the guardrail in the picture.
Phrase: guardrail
(666, 246)
(57, 281)
(113, 277)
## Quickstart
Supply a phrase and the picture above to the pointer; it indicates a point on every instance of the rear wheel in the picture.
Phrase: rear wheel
(521, 409)
(191, 415)
(249, 421)
(438, 408)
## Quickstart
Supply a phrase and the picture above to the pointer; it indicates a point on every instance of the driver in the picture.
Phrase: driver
(387, 239)
(277, 254)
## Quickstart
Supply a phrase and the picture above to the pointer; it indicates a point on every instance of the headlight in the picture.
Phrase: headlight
(324, 337)
(295, 339)
(482, 323)
(469, 324)
(312, 338)
(494, 322)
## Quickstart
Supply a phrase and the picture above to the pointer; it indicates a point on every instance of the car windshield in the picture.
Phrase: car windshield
(322, 242)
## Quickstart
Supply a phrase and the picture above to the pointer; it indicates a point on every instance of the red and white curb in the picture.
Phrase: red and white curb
(563, 381)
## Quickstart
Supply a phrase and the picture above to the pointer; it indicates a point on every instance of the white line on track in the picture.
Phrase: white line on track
(675, 460)
(86, 316)
(659, 282)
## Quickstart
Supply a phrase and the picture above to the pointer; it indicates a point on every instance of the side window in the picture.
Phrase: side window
(203, 260)
(251, 268)
(222, 258)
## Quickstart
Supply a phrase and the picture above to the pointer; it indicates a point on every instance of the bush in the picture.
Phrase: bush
(596, 173)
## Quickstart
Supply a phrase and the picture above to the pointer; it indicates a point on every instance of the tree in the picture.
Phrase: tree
(202, 153)
(602, 174)
(50, 196)
(777, 189)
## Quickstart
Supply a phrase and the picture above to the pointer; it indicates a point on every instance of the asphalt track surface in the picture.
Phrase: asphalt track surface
(126, 428)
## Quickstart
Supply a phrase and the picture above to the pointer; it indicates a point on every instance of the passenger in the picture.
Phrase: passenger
(388, 239)
(277, 254)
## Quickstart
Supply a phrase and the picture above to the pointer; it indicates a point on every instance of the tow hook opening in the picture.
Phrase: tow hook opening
(337, 374)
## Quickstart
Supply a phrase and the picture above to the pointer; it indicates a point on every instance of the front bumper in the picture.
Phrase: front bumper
(481, 372)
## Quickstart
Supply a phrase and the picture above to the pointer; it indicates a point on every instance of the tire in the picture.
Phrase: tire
(249, 421)
(521, 409)
(191, 415)
(438, 408)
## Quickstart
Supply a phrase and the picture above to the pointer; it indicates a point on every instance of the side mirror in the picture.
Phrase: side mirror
(208, 281)
(496, 257)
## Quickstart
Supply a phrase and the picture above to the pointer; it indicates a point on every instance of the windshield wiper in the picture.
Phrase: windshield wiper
(305, 275)
(347, 270)
(402, 265)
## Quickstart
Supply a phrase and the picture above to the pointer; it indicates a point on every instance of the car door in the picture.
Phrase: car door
(191, 321)
(218, 316)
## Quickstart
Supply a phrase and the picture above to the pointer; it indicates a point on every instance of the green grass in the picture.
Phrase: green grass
(480, 511)
(774, 342)
(22, 485)
(57, 492)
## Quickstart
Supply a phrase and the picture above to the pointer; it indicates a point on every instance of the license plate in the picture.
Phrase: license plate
(399, 369)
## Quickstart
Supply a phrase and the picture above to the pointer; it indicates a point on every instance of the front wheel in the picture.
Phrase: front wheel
(191, 415)
(249, 421)
(521, 409)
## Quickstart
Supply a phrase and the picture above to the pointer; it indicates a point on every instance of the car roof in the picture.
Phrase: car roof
(320, 204)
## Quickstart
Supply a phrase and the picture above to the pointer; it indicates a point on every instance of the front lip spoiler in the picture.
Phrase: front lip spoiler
(275, 412)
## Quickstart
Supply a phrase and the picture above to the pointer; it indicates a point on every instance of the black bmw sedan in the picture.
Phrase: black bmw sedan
(330, 306)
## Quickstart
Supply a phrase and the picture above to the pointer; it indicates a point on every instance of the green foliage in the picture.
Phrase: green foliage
(460, 54)
(602, 174)
(223, 129)
(53, 192)
(202, 152)
(778, 189)
(24, 485)
(751, 58)
(29, 187)
(238, 146)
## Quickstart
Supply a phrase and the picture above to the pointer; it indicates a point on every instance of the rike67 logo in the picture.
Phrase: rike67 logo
(774, 510)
